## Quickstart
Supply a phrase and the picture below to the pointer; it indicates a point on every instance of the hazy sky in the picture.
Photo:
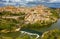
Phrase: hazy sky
(33, 0)
(30, 2)
(51, 1)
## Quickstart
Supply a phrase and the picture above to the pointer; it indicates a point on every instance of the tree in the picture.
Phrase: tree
(7, 24)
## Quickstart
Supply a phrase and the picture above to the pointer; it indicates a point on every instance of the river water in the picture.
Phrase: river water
(55, 25)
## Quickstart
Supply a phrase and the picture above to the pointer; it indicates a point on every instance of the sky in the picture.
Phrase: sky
(33, 0)
(29, 2)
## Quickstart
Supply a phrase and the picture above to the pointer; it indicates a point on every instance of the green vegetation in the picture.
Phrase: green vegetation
(8, 24)
(54, 13)
(5, 13)
(24, 37)
(52, 34)
(37, 25)
(16, 35)
(8, 13)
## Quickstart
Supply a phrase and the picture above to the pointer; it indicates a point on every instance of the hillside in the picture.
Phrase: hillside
(33, 17)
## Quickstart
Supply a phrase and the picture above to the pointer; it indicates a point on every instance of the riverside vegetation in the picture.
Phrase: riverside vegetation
(51, 34)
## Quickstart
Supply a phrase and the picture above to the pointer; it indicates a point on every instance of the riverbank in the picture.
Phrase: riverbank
(51, 34)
